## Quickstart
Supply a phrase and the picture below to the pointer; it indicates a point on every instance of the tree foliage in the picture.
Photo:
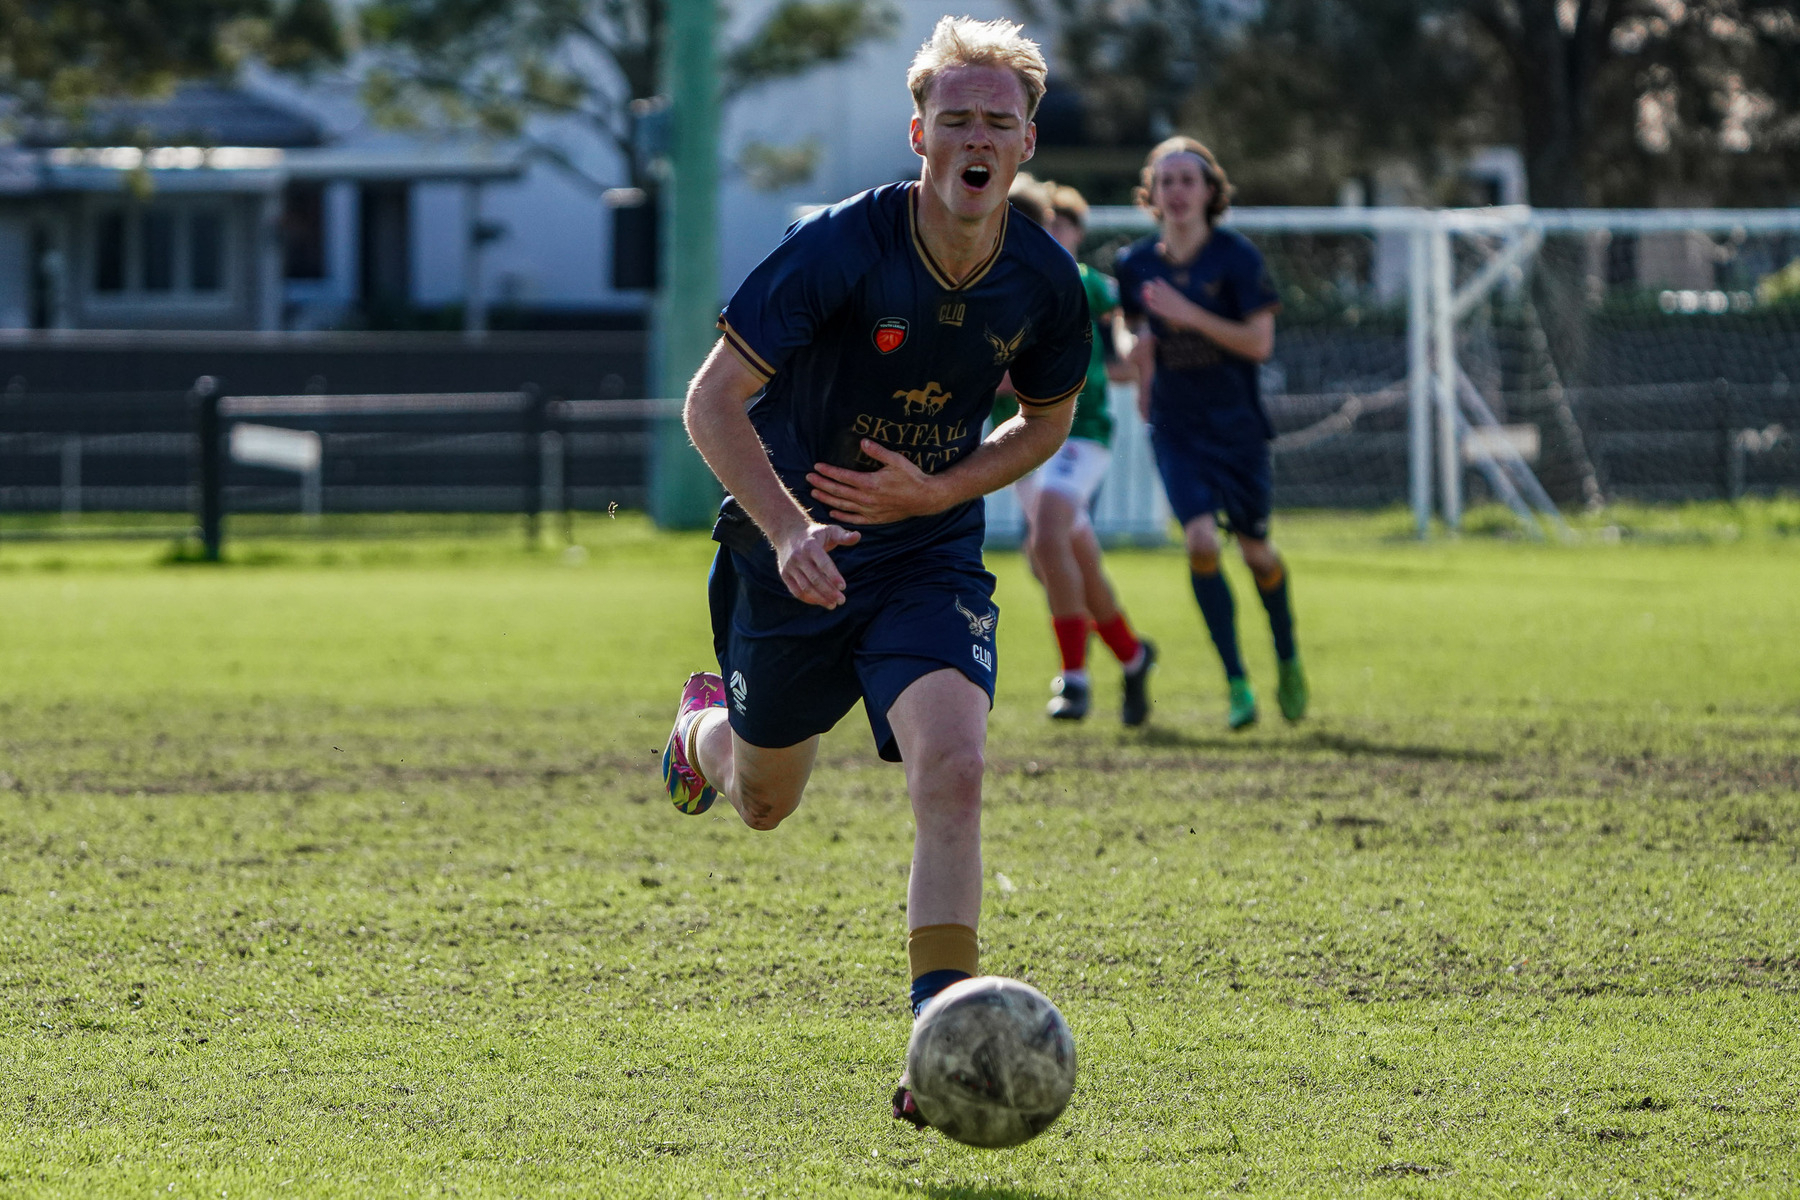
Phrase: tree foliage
(1610, 101)
(58, 56)
(493, 65)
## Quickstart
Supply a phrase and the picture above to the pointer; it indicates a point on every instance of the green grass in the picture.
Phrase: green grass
(346, 874)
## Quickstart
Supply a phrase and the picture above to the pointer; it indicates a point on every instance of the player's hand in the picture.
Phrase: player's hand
(1161, 298)
(894, 492)
(806, 566)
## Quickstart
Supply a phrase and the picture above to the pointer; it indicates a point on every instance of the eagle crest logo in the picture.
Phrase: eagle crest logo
(981, 625)
(1006, 349)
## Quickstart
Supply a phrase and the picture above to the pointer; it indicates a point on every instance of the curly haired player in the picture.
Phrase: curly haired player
(1204, 307)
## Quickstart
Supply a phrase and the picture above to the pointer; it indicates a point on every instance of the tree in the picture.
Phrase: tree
(493, 65)
(1608, 100)
(58, 57)
(1610, 84)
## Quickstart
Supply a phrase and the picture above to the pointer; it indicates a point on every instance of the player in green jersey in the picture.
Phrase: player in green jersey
(1060, 541)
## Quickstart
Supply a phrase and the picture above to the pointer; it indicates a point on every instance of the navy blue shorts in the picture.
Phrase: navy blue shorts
(792, 669)
(1205, 477)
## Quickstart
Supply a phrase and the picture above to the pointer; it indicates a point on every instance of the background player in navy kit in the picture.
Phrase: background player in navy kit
(1204, 307)
(850, 562)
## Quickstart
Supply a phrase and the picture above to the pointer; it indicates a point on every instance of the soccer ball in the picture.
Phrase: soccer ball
(991, 1062)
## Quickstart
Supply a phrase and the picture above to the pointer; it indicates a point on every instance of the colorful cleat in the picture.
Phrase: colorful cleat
(1242, 712)
(688, 790)
(1292, 693)
(906, 1108)
(1136, 708)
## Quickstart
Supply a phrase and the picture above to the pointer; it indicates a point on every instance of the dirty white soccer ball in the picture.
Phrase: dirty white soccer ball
(991, 1062)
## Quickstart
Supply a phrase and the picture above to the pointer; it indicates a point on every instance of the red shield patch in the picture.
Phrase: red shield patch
(890, 334)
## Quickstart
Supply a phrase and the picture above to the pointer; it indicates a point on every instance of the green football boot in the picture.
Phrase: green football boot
(1291, 693)
(1243, 704)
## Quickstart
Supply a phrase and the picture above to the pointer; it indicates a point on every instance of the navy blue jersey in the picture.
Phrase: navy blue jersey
(1200, 388)
(860, 334)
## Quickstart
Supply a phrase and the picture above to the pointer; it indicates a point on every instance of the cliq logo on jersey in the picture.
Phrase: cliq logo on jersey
(890, 334)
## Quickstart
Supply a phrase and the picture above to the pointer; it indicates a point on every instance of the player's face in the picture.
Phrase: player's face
(973, 136)
(1067, 233)
(1179, 188)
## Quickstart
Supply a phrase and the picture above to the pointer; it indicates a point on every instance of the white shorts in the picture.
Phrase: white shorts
(1075, 471)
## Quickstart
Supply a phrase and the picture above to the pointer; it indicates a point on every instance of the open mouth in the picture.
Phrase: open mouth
(977, 177)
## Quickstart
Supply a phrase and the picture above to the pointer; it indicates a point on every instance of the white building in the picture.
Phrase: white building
(301, 213)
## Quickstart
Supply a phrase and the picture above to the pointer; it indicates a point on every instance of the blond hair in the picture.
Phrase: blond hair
(1216, 204)
(966, 42)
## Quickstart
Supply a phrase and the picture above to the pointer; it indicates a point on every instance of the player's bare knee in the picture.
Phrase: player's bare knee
(1203, 550)
(1260, 557)
(952, 777)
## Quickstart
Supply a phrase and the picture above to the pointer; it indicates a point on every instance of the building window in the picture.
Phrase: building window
(206, 250)
(109, 252)
(165, 249)
(303, 230)
(159, 250)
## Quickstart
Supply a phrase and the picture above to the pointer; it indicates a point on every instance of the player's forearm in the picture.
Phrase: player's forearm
(1143, 359)
(1253, 339)
(1012, 451)
(721, 430)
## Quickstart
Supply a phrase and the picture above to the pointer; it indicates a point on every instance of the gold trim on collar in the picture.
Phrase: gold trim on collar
(931, 264)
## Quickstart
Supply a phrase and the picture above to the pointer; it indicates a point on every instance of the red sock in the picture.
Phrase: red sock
(1071, 639)
(1118, 637)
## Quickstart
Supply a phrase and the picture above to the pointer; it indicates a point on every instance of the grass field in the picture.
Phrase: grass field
(347, 874)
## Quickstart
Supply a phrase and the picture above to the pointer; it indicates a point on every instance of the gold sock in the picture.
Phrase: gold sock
(943, 948)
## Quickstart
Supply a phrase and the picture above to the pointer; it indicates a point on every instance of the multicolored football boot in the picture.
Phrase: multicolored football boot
(1242, 710)
(906, 1108)
(688, 790)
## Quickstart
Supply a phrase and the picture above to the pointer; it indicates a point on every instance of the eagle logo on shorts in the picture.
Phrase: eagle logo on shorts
(981, 625)
(1006, 349)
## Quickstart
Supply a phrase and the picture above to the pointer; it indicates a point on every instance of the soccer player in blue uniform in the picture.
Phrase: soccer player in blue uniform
(867, 347)
(1204, 307)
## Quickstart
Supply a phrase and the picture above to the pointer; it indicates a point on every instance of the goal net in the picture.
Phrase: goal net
(1545, 360)
(1646, 356)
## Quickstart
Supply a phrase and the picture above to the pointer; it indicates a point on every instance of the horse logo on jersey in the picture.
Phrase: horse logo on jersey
(1006, 349)
(981, 625)
(890, 334)
(927, 400)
